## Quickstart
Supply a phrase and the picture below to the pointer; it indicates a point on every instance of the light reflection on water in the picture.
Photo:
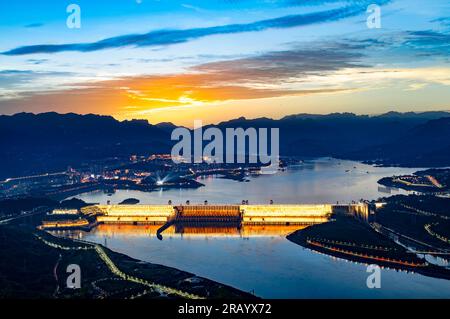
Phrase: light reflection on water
(261, 258)
(109, 230)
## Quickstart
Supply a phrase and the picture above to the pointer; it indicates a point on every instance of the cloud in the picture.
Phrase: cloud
(432, 42)
(168, 37)
(322, 2)
(34, 25)
(283, 67)
(442, 20)
(36, 61)
(316, 68)
(269, 75)
(191, 7)
(404, 46)
(17, 84)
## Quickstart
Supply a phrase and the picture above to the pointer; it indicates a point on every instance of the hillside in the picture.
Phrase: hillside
(36, 143)
(31, 144)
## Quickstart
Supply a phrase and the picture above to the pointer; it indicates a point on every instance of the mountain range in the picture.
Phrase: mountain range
(36, 143)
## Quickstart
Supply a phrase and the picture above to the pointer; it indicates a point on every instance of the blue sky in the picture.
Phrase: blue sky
(213, 60)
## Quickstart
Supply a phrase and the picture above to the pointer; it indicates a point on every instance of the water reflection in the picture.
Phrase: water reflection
(260, 258)
(110, 230)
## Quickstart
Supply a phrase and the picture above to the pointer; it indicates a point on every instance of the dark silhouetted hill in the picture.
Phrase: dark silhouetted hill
(396, 138)
(31, 144)
(427, 144)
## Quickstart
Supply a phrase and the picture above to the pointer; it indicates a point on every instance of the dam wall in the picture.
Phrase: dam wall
(300, 214)
(359, 211)
(303, 214)
(132, 214)
(65, 224)
(208, 214)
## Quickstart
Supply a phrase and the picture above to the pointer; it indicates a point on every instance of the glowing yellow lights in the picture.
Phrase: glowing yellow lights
(250, 214)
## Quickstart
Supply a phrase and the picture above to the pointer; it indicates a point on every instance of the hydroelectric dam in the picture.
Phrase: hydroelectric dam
(273, 214)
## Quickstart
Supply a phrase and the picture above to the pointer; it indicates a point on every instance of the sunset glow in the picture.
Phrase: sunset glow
(273, 62)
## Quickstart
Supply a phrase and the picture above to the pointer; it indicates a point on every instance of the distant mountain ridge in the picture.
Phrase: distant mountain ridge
(407, 139)
(36, 143)
(427, 144)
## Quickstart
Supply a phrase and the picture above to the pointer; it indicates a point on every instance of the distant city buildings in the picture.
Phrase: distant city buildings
(24, 185)
(131, 172)
(61, 211)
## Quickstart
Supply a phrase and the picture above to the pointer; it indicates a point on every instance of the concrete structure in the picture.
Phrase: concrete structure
(285, 214)
(60, 211)
(65, 224)
(294, 214)
(27, 184)
(361, 210)
(129, 214)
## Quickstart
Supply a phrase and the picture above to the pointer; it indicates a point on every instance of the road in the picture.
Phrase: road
(115, 270)
(35, 211)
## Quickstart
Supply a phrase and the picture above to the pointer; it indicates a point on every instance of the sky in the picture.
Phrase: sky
(180, 61)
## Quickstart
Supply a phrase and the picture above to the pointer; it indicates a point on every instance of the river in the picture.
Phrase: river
(261, 259)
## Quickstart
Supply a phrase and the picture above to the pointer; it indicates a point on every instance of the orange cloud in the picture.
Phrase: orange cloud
(265, 76)
(135, 95)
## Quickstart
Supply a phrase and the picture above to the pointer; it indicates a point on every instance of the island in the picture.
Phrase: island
(419, 222)
(426, 181)
(129, 201)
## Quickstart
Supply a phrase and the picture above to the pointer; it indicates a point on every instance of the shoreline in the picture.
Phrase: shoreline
(159, 274)
(352, 252)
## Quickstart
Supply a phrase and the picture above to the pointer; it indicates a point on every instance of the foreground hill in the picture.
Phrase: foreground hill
(37, 263)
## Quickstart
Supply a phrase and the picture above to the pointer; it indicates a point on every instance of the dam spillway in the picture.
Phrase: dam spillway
(286, 214)
(224, 214)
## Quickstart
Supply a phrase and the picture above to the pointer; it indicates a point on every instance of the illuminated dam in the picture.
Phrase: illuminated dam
(287, 214)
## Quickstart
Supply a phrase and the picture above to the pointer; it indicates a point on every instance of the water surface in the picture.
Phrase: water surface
(261, 259)
(324, 180)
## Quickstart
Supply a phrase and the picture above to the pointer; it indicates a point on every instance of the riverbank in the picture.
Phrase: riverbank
(424, 218)
(431, 181)
(36, 265)
(352, 240)
(110, 186)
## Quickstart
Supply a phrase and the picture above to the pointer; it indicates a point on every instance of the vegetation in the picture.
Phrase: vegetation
(73, 203)
(440, 176)
(357, 238)
(35, 263)
(26, 266)
(348, 238)
(409, 215)
(10, 207)
(49, 142)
